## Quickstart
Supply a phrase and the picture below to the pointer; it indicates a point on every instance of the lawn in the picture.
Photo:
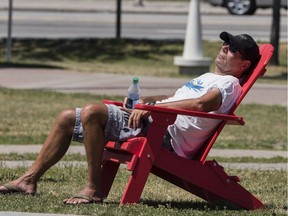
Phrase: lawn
(29, 125)
(33, 113)
(27, 116)
(159, 197)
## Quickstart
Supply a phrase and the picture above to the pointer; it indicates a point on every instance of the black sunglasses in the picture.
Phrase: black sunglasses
(233, 49)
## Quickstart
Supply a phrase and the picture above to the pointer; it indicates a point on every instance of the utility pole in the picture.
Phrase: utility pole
(118, 20)
(275, 32)
(9, 39)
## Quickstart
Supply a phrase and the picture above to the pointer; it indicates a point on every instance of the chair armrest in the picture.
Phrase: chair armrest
(231, 118)
(113, 102)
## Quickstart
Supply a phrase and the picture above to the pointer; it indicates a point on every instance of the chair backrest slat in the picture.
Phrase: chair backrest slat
(266, 52)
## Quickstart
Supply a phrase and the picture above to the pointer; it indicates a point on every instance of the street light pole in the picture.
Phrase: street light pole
(9, 39)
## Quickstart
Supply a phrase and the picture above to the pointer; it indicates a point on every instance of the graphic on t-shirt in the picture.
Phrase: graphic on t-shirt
(195, 84)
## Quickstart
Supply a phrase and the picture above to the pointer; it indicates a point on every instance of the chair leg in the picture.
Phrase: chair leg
(139, 160)
(109, 171)
(136, 182)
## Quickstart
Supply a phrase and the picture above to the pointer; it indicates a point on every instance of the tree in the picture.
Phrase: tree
(275, 32)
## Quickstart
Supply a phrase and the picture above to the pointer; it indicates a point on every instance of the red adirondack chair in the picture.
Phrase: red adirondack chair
(205, 179)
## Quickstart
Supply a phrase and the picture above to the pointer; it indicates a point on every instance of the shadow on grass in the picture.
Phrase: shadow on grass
(90, 49)
(24, 65)
(201, 206)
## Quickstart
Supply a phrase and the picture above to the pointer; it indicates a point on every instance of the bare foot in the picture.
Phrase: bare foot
(18, 187)
(86, 196)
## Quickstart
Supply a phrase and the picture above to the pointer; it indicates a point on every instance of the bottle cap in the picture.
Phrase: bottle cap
(135, 80)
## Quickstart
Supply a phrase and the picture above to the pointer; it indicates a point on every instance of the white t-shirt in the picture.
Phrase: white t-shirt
(189, 132)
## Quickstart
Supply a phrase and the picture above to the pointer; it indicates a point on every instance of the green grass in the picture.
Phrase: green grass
(126, 56)
(30, 114)
(265, 128)
(27, 116)
(158, 198)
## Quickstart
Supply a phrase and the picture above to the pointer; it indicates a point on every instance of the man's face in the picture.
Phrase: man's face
(230, 62)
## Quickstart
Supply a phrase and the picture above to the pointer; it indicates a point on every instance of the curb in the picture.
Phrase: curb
(228, 153)
(241, 166)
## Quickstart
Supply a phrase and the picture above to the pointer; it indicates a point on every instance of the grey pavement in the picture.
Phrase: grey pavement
(228, 153)
(231, 153)
(96, 83)
(106, 6)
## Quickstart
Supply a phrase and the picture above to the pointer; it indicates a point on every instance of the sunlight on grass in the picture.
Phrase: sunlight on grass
(158, 198)
(261, 131)
(32, 123)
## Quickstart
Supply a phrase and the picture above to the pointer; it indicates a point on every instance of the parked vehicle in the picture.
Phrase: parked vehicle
(244, 7)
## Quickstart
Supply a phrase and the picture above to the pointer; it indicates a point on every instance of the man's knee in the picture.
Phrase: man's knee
(94, 113)
(67, 118)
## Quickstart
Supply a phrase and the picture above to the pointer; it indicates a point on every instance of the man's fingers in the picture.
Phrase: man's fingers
(134, 120)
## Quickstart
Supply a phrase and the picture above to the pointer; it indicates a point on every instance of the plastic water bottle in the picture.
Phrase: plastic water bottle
(134, 93)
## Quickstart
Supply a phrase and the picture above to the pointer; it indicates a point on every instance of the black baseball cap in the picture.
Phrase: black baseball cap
(243, 43)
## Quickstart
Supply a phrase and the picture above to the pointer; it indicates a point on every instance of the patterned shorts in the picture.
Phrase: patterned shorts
(116, 128)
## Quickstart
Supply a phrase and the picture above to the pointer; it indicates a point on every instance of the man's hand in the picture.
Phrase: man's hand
(136, 116)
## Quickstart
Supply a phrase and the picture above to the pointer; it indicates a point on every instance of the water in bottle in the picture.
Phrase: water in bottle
(133, 93)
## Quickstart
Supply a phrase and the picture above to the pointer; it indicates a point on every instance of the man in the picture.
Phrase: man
(95, 124)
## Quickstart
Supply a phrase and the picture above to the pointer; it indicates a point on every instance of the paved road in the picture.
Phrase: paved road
(96, 83)
(156, 20)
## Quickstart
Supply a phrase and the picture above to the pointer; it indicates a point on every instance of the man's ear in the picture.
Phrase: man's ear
(246, 64)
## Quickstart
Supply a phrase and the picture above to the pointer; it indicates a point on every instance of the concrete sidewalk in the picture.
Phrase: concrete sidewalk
(96, 83)
(226, 153)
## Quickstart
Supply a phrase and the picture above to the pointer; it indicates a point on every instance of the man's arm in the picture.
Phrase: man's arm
(148, 99)
(137, 115)
(211, 101)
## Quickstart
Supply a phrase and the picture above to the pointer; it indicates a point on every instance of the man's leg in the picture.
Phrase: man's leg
(94, 119)
(54, 148)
